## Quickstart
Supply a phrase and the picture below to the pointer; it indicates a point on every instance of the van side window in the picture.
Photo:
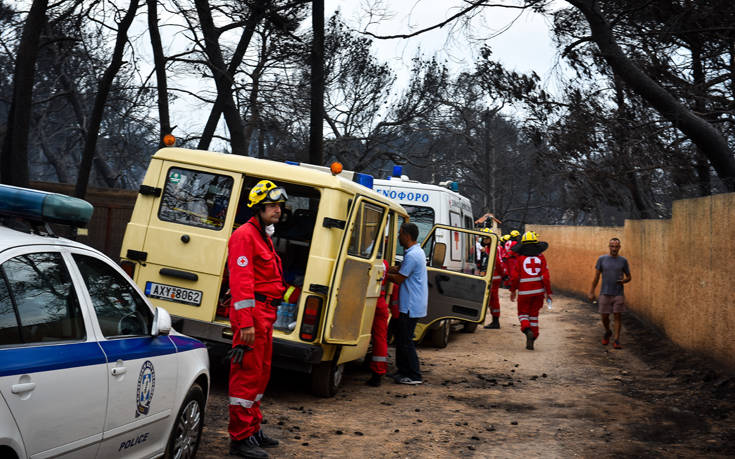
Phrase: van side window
(367, 229)
(195, 198)
(46, 303)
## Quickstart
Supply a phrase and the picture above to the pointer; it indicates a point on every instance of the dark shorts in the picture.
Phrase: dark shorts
(609, 303)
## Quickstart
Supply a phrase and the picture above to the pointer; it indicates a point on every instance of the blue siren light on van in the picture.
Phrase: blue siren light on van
(365, 180)
(43, 206)
(397, 171)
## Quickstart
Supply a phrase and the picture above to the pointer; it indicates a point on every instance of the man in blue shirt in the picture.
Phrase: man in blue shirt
(413, 299)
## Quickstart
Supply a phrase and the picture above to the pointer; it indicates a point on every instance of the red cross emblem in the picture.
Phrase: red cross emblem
(532, 265)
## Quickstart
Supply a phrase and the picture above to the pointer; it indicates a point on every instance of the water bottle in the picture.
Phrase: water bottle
(548, 303)
(279, 317)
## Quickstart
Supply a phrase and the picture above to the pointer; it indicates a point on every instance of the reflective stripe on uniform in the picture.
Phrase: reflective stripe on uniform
(532, 279)
(497, 277)
(532, 292)
(242, 402)
(258, 397)
(379, 359)
(242, 304)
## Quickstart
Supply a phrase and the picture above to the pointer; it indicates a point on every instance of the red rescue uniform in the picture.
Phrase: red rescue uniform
(530, 277)
(256, 284)
(379, 361)
(498, 274)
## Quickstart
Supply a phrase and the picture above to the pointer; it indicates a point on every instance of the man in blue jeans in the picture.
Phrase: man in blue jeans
(413, 299)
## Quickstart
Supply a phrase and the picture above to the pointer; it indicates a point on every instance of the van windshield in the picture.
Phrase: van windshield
(423, 217)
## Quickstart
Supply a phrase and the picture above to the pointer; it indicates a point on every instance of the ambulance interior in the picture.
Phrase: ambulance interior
(292, 240)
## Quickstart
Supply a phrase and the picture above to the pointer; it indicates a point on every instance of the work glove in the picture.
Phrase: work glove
(235, 354)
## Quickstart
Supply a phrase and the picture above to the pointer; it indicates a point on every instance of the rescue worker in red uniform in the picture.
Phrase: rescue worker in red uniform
(498, 274)
(530, 279)
(379, 360)
(256, 284)
(511, 257)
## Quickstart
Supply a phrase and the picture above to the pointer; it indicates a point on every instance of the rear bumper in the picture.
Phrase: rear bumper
(290, 355)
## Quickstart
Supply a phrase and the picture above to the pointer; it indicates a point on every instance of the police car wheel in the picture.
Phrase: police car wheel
(440, 336)
(326, 378)
(187, 431)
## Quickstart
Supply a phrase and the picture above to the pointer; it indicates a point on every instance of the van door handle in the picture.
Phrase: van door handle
(118, 371)
(22, 387)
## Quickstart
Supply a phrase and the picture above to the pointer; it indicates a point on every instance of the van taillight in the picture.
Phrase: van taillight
(128, 267)
(310, 319)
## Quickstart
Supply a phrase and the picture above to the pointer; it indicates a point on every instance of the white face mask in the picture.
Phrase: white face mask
(270, 229)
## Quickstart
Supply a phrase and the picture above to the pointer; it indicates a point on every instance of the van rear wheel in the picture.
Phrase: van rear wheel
(469, 327)
(439, 337)
(326, 378)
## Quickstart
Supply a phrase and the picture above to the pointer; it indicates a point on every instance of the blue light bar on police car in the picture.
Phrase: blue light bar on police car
(43, 206)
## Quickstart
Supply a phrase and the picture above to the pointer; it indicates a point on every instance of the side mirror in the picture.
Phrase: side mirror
(437, 256)
(161, 322)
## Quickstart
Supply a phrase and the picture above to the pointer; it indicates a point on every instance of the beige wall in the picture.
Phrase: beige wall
(683, 270)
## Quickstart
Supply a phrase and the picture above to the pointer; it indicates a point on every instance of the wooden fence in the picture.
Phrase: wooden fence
(683, 270)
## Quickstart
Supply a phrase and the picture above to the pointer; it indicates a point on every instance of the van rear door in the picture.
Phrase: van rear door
(455, 294)
(185, 244)
(357, 275)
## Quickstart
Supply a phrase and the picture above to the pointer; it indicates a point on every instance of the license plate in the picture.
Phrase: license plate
(172, 293)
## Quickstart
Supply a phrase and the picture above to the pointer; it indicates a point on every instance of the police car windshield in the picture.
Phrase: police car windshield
(423, 217)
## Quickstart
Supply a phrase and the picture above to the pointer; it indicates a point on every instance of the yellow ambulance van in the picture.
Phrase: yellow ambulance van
(333, 235)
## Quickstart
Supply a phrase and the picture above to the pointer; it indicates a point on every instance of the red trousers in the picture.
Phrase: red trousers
(249, 378)
(379, 362)
(528, 309)
(494, 300)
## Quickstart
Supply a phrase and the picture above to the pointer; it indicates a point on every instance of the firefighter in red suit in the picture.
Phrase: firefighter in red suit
(379, 360)
(511, 257)
(498, 274)
(530, 280)
(256, 284)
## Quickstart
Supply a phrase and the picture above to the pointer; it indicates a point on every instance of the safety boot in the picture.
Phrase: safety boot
(375, 380)
(264, 440)
(248, 448)
(495, 324)
(529, 339)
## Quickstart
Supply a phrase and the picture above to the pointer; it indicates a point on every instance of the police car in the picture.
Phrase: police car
(88, 368)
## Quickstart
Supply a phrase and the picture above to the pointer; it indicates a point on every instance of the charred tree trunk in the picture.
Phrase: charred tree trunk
(14, 154)
(223, 76)
(711, 141)
(100, 100)
(159, 60)
(316, 124)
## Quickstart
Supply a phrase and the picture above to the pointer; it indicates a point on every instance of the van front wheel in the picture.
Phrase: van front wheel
(440, 336)
(326, 378)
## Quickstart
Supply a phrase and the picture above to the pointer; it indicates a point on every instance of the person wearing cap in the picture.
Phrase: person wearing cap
(530, 281)
(511, 257)
(257, 287)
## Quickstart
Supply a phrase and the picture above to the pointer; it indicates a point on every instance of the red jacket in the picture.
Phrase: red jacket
(254, 267)
(499, 270)
(530, 276)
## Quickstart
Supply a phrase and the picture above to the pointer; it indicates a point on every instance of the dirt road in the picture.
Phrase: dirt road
(485, 395)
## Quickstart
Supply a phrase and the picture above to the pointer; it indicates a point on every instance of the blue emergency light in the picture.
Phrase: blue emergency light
(42, 206)
(397, 171)
(454, 186)
(365, 180)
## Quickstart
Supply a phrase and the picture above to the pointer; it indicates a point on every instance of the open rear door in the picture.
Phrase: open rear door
(454, 294)
(357, 276)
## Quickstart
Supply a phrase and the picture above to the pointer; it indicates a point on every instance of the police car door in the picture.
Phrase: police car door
(141, 369)
(185, 245)
(357, 275)
(53, 374)
(454, 294)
